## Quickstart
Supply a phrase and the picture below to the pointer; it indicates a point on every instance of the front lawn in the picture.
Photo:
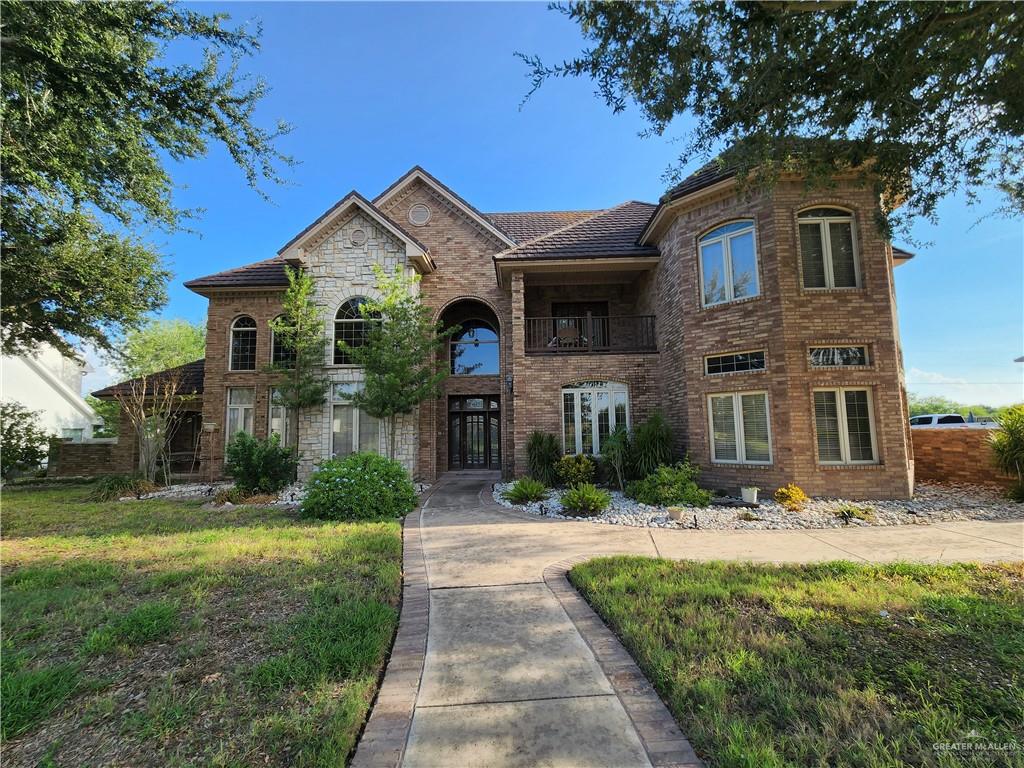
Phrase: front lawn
(161, 633)
(826, 665)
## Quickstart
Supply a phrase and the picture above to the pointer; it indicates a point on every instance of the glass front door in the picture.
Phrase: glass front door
(474, 432)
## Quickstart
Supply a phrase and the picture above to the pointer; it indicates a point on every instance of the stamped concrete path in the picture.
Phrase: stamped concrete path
(498, 662)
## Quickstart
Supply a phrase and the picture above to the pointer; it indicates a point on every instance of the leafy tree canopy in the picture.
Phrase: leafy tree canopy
(92, 108)
(930, 93)
(159, 345)
(922, 404)
(23, 442)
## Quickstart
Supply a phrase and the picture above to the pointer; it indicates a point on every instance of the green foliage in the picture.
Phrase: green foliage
(575, 469)
(23, 443)
(259, 466)
(792, 497)
(806, 94)
(29, 695)
(921, 404)
(114, 487)
(400, 355)
(848, 512)
(1016, 493)
(585, 500)
(1008, 443)
(93, 117)
(526, 489)
(652, 446)
(159, 345)
(618, 452)
(670, 486)
(110, 412)
(362, 486)
(143, 624)
(542, 453)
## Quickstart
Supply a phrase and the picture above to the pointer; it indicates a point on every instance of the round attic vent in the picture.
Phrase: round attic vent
(419, 214)
(358, 237)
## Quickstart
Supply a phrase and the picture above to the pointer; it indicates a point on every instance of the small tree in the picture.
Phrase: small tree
(23, 442)
(299, 332)
(1008, 444)
(152, 404)
(400, 353)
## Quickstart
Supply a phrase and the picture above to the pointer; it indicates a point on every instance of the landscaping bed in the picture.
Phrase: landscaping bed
(160, 632)
(932, 502)
(837, 664)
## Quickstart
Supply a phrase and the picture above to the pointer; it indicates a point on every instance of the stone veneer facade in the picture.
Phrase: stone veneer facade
(784, 320)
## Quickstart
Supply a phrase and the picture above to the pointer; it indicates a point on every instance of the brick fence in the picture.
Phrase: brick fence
(99, 456)
(960, 455)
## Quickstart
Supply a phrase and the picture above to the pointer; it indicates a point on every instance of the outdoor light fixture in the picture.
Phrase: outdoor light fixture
(508, 383)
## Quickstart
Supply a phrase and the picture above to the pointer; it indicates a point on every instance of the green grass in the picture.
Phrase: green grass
(161, 633)
(826, 665)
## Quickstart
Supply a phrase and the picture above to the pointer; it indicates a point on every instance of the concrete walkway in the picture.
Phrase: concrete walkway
(514, 673)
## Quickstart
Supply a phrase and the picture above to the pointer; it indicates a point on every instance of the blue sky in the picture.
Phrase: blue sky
(372, 90)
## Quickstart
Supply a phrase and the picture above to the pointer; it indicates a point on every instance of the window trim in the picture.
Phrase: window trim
(823, 223)
(231, 344)
(737, 418)
(844, 427)
(610, 387)
(763, 350)
(727, 260)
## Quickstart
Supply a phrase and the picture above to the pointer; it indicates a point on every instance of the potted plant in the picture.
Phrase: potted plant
(749, 494)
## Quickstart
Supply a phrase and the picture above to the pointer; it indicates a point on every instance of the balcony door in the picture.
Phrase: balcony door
(570, 323)
(474, 432)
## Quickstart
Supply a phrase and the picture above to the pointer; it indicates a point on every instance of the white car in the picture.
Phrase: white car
(948, 420)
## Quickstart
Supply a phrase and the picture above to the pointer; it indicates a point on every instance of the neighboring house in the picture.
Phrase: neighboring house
(763, 328)
(51, 382)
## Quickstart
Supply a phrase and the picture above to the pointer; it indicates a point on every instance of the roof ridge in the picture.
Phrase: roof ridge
(562, 210)
(595, 215)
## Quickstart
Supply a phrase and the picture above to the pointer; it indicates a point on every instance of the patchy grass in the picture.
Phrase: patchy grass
(826, 665)
(158, 632)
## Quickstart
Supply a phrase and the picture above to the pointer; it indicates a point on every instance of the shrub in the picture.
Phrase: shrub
(792, 497)
(114, 487)
(526, 489)
(575, 469)
(259, 466)
(1016, 493)
(585, 500)
(848, 512)
(652, 446)
(232, 495)
(362, 486)
(542, 453)
(23, 443)
(670, 486)
(616, 452)
(1008, 447)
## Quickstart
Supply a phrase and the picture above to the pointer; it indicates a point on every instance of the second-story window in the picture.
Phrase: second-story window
(728, 263)
(281, 352)
(474, 350)
(351, 327)
(243, 345)
(828, 248)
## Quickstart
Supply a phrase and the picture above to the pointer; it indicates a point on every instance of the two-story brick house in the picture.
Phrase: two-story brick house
(763, 328)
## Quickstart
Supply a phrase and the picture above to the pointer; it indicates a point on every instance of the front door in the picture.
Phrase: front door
(474, 432)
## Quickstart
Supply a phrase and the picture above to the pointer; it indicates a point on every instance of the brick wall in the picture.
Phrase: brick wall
(955, 455)
(88, 459)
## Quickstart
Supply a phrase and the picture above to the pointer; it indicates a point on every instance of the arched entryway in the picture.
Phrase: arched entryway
(471, 429)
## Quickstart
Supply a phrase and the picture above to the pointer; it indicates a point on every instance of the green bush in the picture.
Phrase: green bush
(616, 453)
(362, 486)
(259, 466)
(114, 487)
(542, 453)
(1016, 493)
(232, 495)
(575, 469)
(1008, 448)
(585, 500)
(651, 446)
(23, 443)
(670, 487)
(526, 489)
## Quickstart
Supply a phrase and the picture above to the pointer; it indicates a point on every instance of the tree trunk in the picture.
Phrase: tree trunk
(393, 423)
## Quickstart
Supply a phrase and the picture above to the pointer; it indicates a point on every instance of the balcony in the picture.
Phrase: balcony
(590, 335)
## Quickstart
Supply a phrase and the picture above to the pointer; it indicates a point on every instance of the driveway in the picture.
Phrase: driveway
(517, 671)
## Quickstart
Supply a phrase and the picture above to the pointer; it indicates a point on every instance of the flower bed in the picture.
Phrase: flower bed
(932, 503)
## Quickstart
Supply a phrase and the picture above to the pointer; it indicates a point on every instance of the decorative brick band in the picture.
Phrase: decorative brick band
(664, 742)
(382, 744)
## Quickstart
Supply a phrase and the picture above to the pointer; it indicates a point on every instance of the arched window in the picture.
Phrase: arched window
(351, 327)
(728, 263)
(281, 353)
(243, 344)
(828, 248)
(474, 349)
(591, 411)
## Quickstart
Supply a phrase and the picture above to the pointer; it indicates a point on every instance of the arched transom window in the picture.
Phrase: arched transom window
(828, 248)
(243, 344)
(728, 263)
(591, 411)
(351, 327)
(474, 349)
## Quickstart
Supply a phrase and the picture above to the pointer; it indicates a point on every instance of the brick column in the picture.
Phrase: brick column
(517, 450)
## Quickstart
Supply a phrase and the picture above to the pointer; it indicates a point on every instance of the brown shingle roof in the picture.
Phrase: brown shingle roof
(191, 381)
(612, 232)
(266, 273)
(705, 176)
(522, 226)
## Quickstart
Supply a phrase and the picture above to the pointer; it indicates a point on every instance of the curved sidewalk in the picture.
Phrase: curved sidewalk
(498, 662)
